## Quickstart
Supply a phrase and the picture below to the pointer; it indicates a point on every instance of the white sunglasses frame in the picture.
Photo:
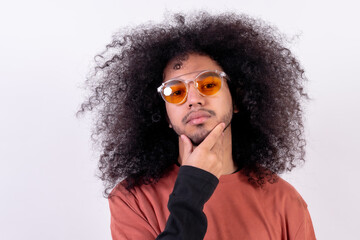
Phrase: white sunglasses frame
(220, 73)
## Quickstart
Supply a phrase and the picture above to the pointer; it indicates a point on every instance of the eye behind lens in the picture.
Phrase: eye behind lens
(209, 83)
(174, 91)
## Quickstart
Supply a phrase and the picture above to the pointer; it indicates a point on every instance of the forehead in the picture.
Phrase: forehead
(192, 62)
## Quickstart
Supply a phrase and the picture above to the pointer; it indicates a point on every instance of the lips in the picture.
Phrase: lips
(198, 117)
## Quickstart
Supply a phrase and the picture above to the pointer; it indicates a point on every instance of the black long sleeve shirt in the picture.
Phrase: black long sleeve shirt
(192, 189)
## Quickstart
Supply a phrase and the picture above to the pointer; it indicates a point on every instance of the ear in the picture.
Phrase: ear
(168, 120)
(236, 110)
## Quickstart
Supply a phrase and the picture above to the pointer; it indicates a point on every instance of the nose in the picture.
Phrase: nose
(194, 98)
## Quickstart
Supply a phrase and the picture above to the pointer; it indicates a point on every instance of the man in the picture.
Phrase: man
(204, 164)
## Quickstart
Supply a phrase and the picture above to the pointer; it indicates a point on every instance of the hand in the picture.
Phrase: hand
(208, 155)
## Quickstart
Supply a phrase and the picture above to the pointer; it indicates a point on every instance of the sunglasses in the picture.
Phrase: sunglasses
(207, 83)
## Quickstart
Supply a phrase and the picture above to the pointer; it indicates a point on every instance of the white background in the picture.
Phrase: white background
(47, 182)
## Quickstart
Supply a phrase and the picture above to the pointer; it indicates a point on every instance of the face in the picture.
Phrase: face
(198, 115)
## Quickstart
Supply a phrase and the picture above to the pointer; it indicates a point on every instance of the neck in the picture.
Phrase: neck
(229, 166)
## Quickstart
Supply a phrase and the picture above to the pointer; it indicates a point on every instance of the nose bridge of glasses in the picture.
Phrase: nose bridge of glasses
(190, 82)
(193, 92)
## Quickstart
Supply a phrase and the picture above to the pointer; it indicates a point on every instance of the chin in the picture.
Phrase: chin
(198, 137)
(196, 142)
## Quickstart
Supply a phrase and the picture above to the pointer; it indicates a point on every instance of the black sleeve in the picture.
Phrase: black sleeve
(192, 189)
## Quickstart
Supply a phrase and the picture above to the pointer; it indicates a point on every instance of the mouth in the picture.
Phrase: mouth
(197, 117)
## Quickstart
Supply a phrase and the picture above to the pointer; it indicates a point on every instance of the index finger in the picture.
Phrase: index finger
(213, 136)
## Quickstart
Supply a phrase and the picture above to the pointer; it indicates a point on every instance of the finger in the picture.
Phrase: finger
(187, 147)
(214, 135)
(218, 146)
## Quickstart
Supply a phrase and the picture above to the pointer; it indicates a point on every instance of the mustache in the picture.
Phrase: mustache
(184, 120)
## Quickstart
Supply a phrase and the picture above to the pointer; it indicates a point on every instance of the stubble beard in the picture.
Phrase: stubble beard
(198, 136)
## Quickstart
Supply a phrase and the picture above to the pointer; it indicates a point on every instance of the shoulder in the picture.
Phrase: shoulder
(145, 205)
(285, 193)
(296, 216)
(274, 189)
(287, 203)
(140, 213)
(163, 186)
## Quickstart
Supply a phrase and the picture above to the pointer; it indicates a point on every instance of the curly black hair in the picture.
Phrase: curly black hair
(266, 86)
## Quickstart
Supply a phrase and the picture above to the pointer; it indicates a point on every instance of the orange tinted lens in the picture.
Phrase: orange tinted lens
(174, 91)
(209, 83)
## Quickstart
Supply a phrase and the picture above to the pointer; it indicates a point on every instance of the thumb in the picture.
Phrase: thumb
(187, 148)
